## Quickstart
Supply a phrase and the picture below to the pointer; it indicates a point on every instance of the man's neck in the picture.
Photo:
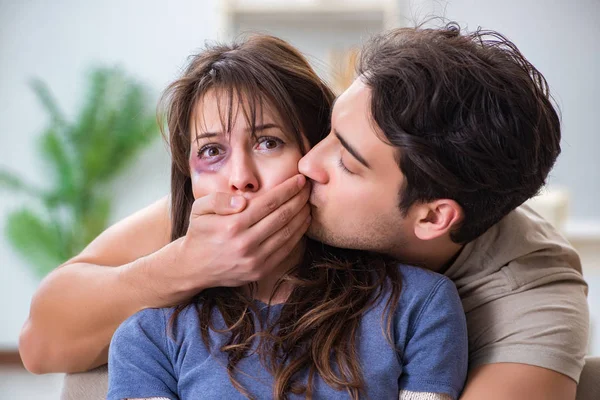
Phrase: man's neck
(436, 255)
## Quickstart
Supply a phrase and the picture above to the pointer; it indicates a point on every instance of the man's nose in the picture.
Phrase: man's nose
(244, 176)
(312, 165)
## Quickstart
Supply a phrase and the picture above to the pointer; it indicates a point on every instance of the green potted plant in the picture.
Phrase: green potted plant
(82, 157)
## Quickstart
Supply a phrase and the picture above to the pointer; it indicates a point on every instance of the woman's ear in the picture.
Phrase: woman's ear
(437, 218)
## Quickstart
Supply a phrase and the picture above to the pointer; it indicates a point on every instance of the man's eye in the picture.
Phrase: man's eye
(343, 167)
(269, 143)
(209, 152)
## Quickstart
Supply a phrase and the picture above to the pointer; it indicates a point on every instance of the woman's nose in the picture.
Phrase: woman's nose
(243, 177)
(312, 165)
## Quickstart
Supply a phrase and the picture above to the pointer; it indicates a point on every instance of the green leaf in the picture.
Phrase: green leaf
(10, 181)
(93, 110)
(120, 130)
(55, 151)
(36, 240)
(114, 124)
(45, 96)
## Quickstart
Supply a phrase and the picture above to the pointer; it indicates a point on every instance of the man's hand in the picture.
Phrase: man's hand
(229, 244)
(509, 381)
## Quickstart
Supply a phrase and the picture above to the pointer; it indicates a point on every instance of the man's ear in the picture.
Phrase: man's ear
(436, 218)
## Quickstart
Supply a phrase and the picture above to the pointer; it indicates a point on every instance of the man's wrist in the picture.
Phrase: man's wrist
(146, 280)
(155, 282)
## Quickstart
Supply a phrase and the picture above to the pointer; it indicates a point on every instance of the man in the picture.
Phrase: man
(432, 149)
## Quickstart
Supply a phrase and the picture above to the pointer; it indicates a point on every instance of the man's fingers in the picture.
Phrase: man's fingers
(272, 200)
(296, 228)
(279, 246)
(218, 203)
(297, 207)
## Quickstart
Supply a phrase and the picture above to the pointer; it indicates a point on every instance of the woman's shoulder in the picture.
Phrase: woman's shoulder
(169, 329)
(143, 329)
(149, 320)
(157, 320)
(421, 288)
(419, 281)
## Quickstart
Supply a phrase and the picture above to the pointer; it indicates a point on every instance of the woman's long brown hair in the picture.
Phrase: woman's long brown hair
(316, 330)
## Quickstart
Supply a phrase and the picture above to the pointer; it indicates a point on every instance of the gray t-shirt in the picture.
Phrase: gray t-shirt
(524, 296)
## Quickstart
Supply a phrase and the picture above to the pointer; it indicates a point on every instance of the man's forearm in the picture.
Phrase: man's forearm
(79, 306)
(513, 381)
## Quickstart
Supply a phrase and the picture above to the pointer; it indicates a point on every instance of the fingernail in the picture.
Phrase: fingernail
(236, 201)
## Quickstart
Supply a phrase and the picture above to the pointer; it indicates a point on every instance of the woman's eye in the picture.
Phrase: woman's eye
(269, 143)
(209, 152)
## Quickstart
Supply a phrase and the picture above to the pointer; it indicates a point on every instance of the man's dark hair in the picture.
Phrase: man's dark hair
(472, 119)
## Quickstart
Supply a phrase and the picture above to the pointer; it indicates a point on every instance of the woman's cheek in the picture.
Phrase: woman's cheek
(279, 170)
(205, 177)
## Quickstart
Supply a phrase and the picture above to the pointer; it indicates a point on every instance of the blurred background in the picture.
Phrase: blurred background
(79, 148)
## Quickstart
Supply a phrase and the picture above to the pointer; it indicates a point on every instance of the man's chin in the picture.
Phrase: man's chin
(314, 231)
(318, 232)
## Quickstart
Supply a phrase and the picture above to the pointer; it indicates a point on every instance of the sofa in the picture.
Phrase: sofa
(93, 385)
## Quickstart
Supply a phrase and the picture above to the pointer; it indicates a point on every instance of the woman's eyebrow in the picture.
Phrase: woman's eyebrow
(263, 127)
(206, 135)
(257, 128)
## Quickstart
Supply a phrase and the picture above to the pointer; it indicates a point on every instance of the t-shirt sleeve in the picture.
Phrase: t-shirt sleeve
(139, 364)
(546, 326)
(435, 357)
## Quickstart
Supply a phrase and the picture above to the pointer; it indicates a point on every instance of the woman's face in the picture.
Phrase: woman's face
(238, 163)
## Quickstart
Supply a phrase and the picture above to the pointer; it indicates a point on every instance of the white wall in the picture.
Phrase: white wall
(57, 42)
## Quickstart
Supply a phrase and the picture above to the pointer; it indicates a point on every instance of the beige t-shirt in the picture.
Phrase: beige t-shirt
(524, 296)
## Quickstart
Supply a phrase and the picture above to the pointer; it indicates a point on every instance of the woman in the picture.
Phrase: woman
(326, 323)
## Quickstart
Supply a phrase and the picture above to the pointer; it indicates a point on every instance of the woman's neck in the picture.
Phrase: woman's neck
(266, 285)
